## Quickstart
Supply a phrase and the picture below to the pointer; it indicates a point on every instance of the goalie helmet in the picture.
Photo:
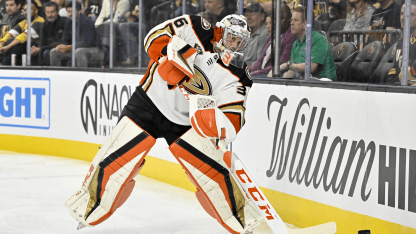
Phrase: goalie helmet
(234, 39)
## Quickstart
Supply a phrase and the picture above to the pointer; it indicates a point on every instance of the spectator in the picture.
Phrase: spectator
(190, 11)
(120, 8)
(256, 19)
(129, 33)
(322, 61)
(12, 18)
(264, 64)
(3, 10)
(61, 7)
(216, 10)
(93, 9)
(395, 73)
(337, 9)
(51, 33)
(19, 33)
(387, 16)
(88, 45)
(359, 15)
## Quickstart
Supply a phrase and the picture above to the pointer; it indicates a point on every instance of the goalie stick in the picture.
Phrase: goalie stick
(263, 206)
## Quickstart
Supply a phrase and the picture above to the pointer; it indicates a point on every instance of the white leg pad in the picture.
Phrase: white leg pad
(110, 172)
(204, 165)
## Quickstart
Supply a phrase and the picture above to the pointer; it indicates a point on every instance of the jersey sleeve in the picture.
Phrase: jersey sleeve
(232, 100)
(157, 39)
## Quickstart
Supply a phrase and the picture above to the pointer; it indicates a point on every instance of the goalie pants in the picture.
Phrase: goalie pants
(144, 113)
(217, 191)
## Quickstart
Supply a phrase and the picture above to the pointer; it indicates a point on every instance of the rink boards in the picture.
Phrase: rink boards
(320, 154)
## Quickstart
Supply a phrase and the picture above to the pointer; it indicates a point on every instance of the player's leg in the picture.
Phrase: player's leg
(110, 179)
(217, 190)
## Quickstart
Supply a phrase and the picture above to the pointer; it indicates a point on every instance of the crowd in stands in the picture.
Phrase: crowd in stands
(355, 27)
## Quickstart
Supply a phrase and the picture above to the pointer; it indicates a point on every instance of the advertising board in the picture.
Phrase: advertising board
(344, 148)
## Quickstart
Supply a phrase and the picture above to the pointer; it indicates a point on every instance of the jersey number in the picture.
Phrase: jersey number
(180, 22)
(242, 90)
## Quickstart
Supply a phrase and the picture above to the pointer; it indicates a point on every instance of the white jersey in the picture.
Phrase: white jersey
(229, 85)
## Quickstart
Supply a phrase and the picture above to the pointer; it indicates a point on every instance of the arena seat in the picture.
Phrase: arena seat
(337, 25)
(366, 62)
(344, 54)
(386, 63)
(317, 25)
(325, 21)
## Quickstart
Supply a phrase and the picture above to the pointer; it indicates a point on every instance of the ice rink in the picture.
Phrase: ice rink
(34, 189)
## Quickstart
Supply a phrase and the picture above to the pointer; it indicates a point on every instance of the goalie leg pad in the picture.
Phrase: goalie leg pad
(217, 190)
(110, 180)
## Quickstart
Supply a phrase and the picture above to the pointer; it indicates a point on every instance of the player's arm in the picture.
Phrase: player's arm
(167, 45)
(158, 38)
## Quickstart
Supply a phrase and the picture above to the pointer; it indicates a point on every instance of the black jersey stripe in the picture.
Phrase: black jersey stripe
(204, 36)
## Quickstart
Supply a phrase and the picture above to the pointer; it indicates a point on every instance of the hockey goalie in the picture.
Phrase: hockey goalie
(192, 57)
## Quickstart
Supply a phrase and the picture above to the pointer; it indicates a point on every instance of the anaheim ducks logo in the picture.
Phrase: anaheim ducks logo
(199, 84)
(341, 50)
(371, 50)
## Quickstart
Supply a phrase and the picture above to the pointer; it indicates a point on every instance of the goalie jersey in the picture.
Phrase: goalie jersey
(230, 85)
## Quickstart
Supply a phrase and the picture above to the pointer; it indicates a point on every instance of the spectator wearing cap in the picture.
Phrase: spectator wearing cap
(263, 65)
(322, 61)
(88, 45)
(19, 33)
(51, 33)
(256, 19)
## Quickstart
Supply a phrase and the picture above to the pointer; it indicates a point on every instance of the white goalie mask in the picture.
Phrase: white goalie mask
(234, 40)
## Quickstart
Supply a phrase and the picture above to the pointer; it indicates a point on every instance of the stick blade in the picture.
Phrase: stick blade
(326, 228)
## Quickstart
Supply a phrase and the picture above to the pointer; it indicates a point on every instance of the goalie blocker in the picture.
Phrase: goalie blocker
(110, 178)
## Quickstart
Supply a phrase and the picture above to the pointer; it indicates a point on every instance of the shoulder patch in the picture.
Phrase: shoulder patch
(205, 24)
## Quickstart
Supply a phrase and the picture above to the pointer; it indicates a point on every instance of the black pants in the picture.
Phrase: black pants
(18, 50)
(144, 113)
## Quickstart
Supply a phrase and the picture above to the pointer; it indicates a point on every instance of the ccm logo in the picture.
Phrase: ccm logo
(88, 176)
(254, 190)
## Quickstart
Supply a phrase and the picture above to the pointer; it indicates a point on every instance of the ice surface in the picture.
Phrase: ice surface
(33, 189)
